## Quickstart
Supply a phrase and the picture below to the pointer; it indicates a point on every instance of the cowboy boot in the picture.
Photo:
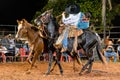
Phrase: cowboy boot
(63, 50)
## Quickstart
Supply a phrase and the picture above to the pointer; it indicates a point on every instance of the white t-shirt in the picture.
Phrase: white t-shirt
(12, 43)
(3, 49)
(72, 19)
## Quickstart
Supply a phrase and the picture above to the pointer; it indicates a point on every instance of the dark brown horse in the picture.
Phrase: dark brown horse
(26, 32)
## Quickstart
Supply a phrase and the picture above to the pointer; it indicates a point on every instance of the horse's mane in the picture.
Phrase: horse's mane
(27, 24)
(54, 21)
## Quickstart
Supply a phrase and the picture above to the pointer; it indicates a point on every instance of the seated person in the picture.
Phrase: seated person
(109, 52)
(3, 50)
(118, 48)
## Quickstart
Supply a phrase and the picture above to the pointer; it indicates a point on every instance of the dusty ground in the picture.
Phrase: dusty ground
(17, 71)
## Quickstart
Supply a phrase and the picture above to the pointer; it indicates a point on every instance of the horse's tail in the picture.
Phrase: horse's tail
(100, 55)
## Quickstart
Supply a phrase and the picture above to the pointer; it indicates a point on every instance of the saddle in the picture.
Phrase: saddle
(73, 32)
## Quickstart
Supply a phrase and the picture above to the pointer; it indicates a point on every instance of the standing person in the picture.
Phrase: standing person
(12, 44)
(75, 19)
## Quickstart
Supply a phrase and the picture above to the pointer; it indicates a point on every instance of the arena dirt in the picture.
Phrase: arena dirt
(17, 71)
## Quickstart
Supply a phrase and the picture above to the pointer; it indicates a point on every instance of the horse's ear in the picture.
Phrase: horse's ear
(18, 21)
(24, 20)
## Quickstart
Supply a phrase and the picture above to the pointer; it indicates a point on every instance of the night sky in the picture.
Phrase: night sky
(11, 10)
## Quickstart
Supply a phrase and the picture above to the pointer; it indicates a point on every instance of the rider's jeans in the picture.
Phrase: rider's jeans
(65, 40)
(110, 54)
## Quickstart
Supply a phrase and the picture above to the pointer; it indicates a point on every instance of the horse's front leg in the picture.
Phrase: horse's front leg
(50, 62)
(30, 54)
(35, 56)
(57, 61)
(29, 57)
(58, 56)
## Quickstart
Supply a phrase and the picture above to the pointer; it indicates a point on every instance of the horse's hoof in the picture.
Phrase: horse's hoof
(87, 72)
(35, 66)
(28, 72)
(51, 70)
(47, 73)
(61, 74)
(80, 74)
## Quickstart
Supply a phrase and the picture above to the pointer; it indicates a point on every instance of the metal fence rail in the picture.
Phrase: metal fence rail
(115, 34)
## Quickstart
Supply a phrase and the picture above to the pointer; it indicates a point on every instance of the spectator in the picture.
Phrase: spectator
(5, 41)
(110, 52)
(12, 44)
(118, 48)
(25, 45)
(3, 50)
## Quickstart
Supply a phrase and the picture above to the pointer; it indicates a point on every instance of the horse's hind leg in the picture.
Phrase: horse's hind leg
(90, 68)
(89, 63)
(84, 68)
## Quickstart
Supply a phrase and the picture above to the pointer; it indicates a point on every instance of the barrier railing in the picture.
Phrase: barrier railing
(113, 32)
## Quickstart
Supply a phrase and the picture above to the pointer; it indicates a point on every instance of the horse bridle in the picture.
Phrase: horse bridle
(44, 24)
(44, 18)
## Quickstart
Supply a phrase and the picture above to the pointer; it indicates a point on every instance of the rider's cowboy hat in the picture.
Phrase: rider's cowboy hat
(72, 8)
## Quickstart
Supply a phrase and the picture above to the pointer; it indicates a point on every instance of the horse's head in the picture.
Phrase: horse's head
(44, 18)
(23, 27)
(47, 20)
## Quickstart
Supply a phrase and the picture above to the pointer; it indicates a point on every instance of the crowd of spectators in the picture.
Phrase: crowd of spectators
(9, 47)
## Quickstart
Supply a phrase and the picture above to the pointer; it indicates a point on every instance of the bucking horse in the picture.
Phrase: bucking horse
(87, 41)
